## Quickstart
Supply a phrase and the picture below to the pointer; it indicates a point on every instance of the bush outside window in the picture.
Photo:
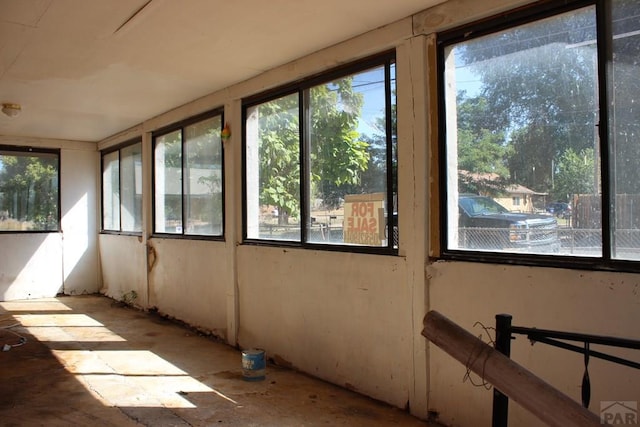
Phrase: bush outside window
(533, 112)
(320, 165)
(29, 189)
(122, 189)
(188, 178)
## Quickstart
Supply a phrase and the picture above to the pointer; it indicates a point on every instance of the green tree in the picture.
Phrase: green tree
(337, 154)
(168, 156)
(538, 82)
(625, 90)
(203, 152)
(279, 153)
(541, 84)
(374, 177)
(574, 175)
(29, 189)
(482, 151)
(202, 149)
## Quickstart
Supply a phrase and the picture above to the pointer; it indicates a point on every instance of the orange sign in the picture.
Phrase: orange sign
(364, 219)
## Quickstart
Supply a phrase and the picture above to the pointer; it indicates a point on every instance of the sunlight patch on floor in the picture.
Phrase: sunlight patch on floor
(34, 305)
(132, 378)
(76, 334)
(53, 320)
(116, 376)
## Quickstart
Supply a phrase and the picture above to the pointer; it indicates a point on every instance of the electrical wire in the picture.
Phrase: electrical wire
(21, 339)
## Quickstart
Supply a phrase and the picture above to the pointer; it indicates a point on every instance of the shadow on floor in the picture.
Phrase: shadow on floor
(90, 361)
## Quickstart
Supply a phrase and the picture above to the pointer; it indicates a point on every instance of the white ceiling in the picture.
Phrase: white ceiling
(87, 69)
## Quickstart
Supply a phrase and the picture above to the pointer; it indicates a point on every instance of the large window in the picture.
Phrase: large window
(122, 189)
(188, 178)
(320, 160)
(29, 189)
(543, 104)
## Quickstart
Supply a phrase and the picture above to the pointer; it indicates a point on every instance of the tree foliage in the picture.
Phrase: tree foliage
(625, 90)
(374, 177)
(337, 154)
(201, 146)
(540, 86)
(574, 174)
(29, 190)
(481, 148)
(536, 100)
(279, 154)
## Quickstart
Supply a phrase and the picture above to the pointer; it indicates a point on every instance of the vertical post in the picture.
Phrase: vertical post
(586, 383)
(503, 345)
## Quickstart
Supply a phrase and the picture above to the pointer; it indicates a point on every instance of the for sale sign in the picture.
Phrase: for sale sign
(364, 219)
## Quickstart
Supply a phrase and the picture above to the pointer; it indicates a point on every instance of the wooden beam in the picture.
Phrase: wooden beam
(538, 397)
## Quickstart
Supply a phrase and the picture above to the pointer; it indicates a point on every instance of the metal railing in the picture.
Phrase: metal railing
(504, 335)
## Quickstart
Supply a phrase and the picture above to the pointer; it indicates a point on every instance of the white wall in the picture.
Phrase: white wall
(44, 264)
(342, 317)
(348, 318)
(188, 282)
(356, 319)
(547, 298)
(604, 303)
(124, 268)
(79, 177)
(30, 265)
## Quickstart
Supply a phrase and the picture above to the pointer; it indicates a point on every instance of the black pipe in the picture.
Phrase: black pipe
(504, 331)
(500, 417)
(593, 353)
(533, 333)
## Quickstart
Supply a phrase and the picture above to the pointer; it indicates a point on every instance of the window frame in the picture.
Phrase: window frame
(38, 150)
(510, 19)
(181, 125)
(385, 59)
(118, 148)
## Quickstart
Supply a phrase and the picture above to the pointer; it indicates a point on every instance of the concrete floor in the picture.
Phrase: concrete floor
(91, 361)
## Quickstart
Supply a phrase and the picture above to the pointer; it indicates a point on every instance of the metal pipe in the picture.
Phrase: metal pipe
(500, 416)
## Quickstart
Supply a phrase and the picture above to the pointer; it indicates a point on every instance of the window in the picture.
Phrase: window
(122, 189)
(546, 99)
(188, 178)
(29, 189)
(320, 160)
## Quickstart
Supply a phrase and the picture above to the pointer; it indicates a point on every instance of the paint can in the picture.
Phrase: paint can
(253, 365)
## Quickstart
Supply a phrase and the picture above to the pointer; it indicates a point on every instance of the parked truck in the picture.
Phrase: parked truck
(484, 224)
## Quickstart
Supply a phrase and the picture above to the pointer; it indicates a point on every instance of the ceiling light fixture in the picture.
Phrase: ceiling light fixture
(11, 110)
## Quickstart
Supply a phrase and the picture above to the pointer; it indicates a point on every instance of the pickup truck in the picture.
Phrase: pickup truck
(484, 224)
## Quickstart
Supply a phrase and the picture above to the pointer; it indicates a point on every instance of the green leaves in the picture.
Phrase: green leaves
(29, 190)
(575, 174)
(337, 155)
(534, 104)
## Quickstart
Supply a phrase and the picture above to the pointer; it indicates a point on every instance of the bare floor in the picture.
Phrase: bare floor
(90, 361)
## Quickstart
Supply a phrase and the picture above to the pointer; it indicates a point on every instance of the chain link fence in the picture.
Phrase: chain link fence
(572, 241)
(316, 233)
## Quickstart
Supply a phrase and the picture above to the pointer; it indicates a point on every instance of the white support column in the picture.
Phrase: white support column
(147, 212)
(451, 96)
(413, 184)
(252, 174)
(159, 188)
(233, 212)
